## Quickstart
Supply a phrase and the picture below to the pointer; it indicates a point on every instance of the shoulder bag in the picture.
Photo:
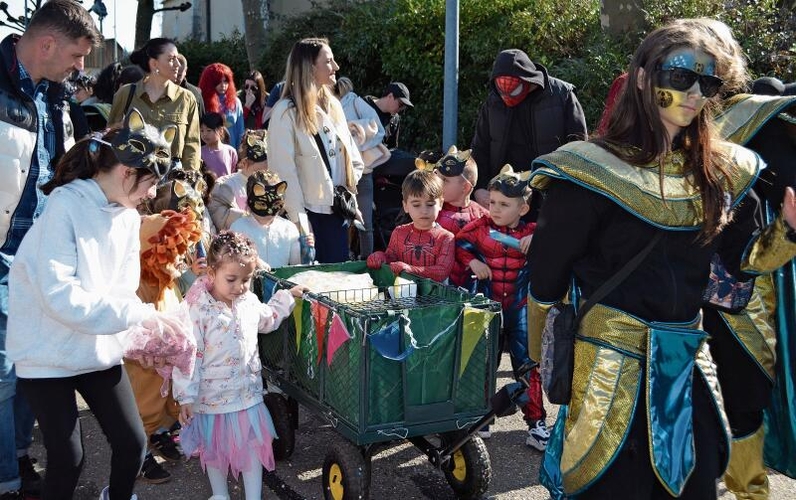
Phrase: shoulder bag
(561, 326)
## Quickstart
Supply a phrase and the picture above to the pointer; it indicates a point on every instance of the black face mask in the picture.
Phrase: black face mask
(510, 183)
(181, 195)
(256, 148)
(139, 145)
(265, 200)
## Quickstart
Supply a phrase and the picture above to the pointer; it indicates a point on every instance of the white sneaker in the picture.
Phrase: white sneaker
(218, 497)
(485, 434)
(538, 435)
(104, 495)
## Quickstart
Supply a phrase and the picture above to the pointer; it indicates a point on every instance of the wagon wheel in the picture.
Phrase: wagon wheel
(469, 470)
(283, 423)
(346, 473)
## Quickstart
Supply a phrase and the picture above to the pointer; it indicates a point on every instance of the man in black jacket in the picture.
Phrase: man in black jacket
(37, 129)
(527, 114)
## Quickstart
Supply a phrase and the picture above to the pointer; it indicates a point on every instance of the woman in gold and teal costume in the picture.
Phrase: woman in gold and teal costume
(754, 347)
(645, 419)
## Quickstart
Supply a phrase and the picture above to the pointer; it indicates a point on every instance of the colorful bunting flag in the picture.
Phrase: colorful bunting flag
(387, 342)
(320, 315)
(297, 314)
(338, 335)
(474, 325)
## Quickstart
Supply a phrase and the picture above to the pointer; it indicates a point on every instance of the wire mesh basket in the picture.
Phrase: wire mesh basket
(386, 362)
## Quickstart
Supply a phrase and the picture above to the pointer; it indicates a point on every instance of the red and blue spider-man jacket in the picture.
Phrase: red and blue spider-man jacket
(510, 277)
(454, 219)
(428, 253)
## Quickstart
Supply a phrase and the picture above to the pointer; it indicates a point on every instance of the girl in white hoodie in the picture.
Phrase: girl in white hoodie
(73, 284)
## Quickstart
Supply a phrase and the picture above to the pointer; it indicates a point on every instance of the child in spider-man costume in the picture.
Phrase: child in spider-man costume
(495, 249)
(422, 247)
(459, 174)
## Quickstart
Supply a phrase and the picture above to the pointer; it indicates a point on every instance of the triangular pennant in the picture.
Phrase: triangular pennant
(474, 324)
(338, 335)
(320, 315)
(297, 313)
(387, 342)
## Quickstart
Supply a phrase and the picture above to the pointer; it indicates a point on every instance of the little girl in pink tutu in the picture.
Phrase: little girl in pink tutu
(222, 412)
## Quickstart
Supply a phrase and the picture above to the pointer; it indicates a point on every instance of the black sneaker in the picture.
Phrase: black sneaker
(152, 472)
(31, 480)
(12, 495)
(163, 444)
(175, 429)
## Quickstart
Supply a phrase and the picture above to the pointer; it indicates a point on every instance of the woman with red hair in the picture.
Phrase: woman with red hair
(218, 91)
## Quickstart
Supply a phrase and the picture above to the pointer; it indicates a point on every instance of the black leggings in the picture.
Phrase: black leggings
(631, 476)
(110, 398)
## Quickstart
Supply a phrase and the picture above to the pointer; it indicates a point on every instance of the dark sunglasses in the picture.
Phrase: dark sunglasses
(683, 79)
(252, 87)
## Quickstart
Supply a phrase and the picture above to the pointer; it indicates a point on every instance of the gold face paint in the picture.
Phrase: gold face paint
(665, 98)
(678, 108)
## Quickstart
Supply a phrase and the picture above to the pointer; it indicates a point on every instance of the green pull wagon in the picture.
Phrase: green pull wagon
(412, 362)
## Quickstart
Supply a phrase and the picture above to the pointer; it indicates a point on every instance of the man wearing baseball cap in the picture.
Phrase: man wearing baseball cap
(388, 107)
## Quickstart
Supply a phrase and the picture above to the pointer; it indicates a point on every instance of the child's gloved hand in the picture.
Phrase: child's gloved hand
(398, 267)
(376, 260)
(186, 414)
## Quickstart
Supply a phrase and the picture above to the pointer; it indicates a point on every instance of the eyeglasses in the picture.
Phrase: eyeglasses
(683, 79)
(250, 87)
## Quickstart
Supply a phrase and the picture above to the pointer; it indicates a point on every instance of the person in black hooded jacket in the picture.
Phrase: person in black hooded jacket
(528, 113)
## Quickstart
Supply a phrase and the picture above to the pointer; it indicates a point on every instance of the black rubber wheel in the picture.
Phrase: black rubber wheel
(283, 423)
(469, 471)
(293, 407)
(346, 473)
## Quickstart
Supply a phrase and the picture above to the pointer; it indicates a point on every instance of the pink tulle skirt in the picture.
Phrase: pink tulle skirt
(230, 441)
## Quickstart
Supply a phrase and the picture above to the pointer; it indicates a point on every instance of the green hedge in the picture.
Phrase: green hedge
(229, 50)
(378, 41)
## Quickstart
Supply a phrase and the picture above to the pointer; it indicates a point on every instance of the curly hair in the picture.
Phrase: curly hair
(230, 246)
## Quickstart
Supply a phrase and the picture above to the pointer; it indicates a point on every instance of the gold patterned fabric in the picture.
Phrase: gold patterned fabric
(755, 325)
(605, 391)
(537, 312)
(745, 114)
(771, 249)
(637, 188)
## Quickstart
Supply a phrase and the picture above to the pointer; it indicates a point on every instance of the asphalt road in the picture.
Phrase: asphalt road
(399, 472)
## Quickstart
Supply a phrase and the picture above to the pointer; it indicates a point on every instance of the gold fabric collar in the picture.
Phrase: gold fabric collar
(745, 114)
(637, 188)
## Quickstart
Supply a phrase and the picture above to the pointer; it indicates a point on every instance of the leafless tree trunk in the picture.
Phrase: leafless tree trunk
(255, 16)
(143, 22)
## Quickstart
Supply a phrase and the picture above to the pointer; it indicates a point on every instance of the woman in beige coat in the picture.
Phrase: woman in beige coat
(311, 147)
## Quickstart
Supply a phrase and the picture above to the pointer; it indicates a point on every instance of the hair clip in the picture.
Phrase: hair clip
(95, 139)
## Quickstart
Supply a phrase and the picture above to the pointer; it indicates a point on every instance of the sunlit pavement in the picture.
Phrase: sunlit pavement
(400, 472)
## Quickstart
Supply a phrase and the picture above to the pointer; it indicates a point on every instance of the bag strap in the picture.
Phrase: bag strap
(322, 150)
(129, 98)
(617, 278)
